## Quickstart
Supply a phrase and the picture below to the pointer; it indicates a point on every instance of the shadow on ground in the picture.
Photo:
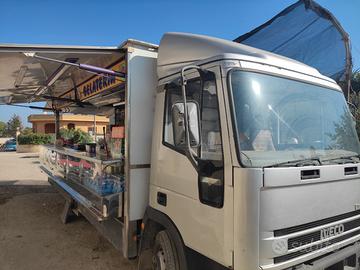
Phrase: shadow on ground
(31, 156)
(9, 189)
(32, 236)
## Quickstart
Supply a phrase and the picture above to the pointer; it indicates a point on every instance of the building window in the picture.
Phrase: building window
(91, 131)
(49, 128)
(71, 126)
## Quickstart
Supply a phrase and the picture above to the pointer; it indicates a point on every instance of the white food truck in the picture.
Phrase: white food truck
(217, 155)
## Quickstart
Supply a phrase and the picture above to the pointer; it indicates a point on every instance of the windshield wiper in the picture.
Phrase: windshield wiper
(344, 159)
(297, 163)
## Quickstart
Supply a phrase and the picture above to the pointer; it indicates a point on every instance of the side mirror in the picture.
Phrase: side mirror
(179, 132)
(191, 121)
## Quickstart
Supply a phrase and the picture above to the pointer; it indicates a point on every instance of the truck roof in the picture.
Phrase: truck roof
(180, 49)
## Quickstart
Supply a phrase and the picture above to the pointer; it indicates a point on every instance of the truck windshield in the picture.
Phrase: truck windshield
(283, 122)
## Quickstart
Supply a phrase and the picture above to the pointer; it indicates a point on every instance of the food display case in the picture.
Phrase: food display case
(93, 179)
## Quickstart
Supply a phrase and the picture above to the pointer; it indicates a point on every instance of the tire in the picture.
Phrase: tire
(164, 253)
(162, 256)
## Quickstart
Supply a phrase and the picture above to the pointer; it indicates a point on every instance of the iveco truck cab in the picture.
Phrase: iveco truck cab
(254, 160)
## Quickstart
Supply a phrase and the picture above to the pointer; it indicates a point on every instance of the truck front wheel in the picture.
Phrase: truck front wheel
(164, 253)
(161, 255)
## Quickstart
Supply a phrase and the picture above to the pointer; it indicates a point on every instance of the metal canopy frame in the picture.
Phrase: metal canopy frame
(39, 72)
(30, 73)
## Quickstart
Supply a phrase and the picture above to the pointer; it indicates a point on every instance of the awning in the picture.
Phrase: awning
(27, 79)
(309, 33)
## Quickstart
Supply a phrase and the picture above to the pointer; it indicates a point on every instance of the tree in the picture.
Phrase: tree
(343, 131)
(355, 81)
(27, 131)
(13, 124)
(2, 129)
(355, 99)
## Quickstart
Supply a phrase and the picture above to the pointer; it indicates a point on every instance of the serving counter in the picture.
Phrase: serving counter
(95, 181)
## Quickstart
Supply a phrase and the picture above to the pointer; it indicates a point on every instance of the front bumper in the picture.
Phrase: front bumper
(344, 259)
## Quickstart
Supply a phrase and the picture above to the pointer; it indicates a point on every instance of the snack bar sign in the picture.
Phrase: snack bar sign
(99, 84)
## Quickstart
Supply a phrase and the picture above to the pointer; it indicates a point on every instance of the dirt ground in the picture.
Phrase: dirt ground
(32, 236)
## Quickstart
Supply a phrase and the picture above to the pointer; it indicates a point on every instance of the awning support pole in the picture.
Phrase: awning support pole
(95, 127)
(57, 124)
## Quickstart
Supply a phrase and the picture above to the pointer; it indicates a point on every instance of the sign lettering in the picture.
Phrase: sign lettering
(100, 84)
(96, 85)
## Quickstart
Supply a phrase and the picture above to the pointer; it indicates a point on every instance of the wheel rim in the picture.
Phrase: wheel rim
(159, 262)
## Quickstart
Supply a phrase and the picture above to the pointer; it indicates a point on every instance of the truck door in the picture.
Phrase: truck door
(199, 203)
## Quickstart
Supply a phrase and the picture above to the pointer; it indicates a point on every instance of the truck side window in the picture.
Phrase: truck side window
(211, 145)
(211, 180)
(174, 96)
(211, 185)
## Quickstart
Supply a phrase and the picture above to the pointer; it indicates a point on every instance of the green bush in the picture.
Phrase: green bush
(67, 134)
(35, 138)
(76, 136)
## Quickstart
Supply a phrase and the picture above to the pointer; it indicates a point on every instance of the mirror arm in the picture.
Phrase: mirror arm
(190, 152)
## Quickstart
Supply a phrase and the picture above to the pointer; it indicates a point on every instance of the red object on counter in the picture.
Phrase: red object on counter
(117, 132)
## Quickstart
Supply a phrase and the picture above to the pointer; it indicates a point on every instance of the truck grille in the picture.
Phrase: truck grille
(316, 236)
(293, 255)
(317, 223)
(309, 239)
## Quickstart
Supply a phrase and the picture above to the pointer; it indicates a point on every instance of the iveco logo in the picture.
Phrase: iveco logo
(332, 231)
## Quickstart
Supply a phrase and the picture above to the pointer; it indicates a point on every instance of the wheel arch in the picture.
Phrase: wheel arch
(155, 221)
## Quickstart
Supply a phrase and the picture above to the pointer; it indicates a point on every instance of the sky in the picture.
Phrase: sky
(110, 22)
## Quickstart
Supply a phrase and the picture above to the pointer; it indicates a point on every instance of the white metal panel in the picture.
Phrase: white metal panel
(247, 184)
(142, 83)
(291, 176)
(195, 222)
(139, 192)
(140, 102)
